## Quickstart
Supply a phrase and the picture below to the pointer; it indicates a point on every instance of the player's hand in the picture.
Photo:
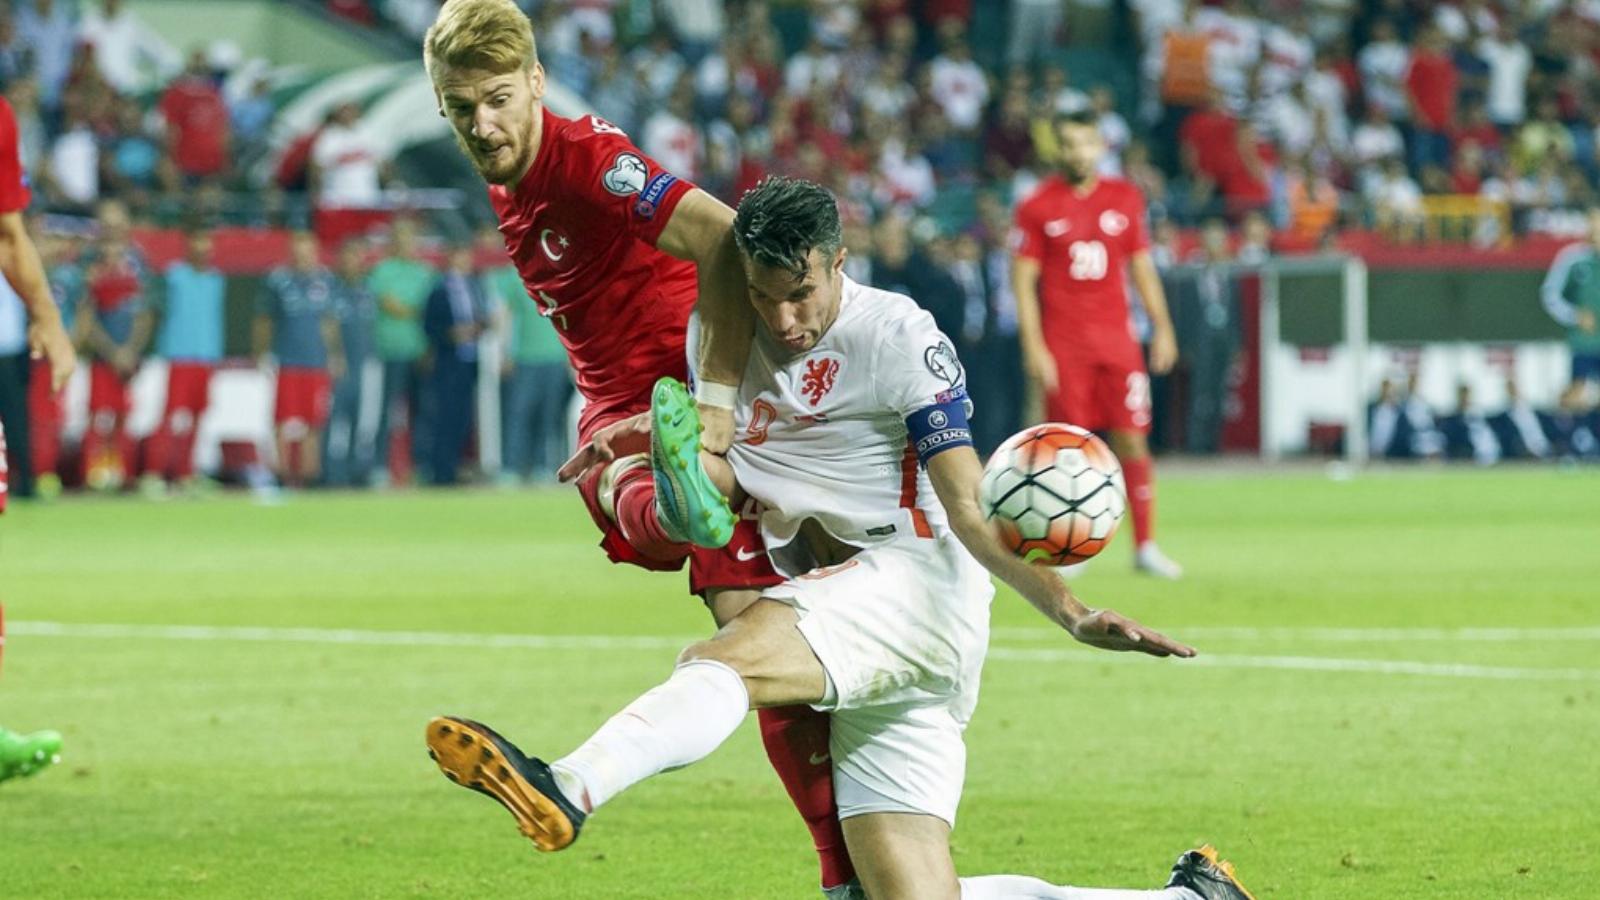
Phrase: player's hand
(716, 424)
(1110, 630)
(1586, 321)
(1163, 351)
(1040, 366)
(49, 341)
(614, 440)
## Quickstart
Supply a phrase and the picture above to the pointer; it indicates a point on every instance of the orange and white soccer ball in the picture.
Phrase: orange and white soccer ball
(1054, 494)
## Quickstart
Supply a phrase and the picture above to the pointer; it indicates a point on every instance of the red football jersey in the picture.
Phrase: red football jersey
(1082, 245)
(581, 228)
(14, 194)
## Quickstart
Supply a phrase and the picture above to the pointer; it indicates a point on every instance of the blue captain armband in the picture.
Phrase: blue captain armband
(940, 426)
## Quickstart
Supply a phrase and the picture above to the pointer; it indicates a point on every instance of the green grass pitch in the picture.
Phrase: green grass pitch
(1341, 737)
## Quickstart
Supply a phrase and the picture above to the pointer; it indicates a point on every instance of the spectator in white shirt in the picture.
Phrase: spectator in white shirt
(1376, 139)
(959, 84)
(813, 66)
(1383, 64)
(1235, 49)
(74, 172)
(1288, 55)
(131, 56)
(888, 95)
(346, 163)
(1114, 130)
(671, 138)
(1509, 62)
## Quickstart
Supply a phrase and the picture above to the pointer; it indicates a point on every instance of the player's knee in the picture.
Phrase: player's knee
(729, 653)
(1129, 445)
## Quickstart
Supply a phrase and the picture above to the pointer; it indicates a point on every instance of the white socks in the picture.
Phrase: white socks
(674, 724)
(1021, 887)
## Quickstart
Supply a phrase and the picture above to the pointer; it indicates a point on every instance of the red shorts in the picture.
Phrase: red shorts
(302, 397)
(188, 387)
(742, 563)
(108, 392)
(1101, 396)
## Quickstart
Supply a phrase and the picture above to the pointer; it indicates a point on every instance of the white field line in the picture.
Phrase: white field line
(663, 642)
(1341, 635)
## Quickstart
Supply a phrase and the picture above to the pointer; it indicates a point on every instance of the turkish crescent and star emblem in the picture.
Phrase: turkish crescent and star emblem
(818, 379)
(561, 244)
(1113, 222)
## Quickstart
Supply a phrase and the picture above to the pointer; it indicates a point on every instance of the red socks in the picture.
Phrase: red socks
(796, 738)
(1140, 478)
(635, 502)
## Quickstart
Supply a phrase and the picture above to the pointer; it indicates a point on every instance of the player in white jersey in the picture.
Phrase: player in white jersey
(854, 440)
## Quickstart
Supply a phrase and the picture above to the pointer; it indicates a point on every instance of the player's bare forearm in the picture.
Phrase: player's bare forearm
(24, 270)
(1147, 279)
(1025, 285)
(955, 474)
(701, 231)
(1163, 339)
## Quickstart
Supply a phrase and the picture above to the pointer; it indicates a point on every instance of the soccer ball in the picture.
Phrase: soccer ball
(1054, 493)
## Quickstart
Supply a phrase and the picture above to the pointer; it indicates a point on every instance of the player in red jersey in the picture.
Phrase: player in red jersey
(19, 262)
(1074, 236)
(616, 252)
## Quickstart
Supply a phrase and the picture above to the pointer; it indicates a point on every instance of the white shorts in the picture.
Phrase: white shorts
(901, 630)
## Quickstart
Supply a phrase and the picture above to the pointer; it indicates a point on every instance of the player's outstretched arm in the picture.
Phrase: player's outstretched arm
(701, 231)
(1037, 362)
(24, 271)
(955, 474)
(1163, 339)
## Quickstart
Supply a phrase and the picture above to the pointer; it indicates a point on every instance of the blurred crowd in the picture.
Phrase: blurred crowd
(375, 353)
(1319, 113)
(1263, 124)
(1401, 425)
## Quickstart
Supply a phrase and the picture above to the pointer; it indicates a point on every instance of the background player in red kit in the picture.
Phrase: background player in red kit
(615, 251)
(1074, 236)
(19, 263)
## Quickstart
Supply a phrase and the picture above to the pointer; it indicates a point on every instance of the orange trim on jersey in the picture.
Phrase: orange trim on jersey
(908, 491)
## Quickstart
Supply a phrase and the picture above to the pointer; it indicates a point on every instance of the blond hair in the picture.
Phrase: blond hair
(492, 35)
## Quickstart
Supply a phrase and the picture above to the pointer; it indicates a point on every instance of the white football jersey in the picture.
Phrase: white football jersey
(823, 434)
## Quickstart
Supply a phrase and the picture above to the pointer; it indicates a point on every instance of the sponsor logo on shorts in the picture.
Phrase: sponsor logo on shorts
(818, 759)
(626, 175)
(650, 198)
(745, 554)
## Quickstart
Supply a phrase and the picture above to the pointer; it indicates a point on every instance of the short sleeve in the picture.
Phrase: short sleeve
(1027, 237)
(14, 193)
(628, 187)
(917, 366)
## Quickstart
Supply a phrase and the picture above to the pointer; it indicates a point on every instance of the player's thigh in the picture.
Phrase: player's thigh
(1074, 399)
(1122, 398)
(902, 856)
(766, 648)
(725, 604)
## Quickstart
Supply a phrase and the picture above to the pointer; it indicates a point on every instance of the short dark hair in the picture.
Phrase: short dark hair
(781, 220)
